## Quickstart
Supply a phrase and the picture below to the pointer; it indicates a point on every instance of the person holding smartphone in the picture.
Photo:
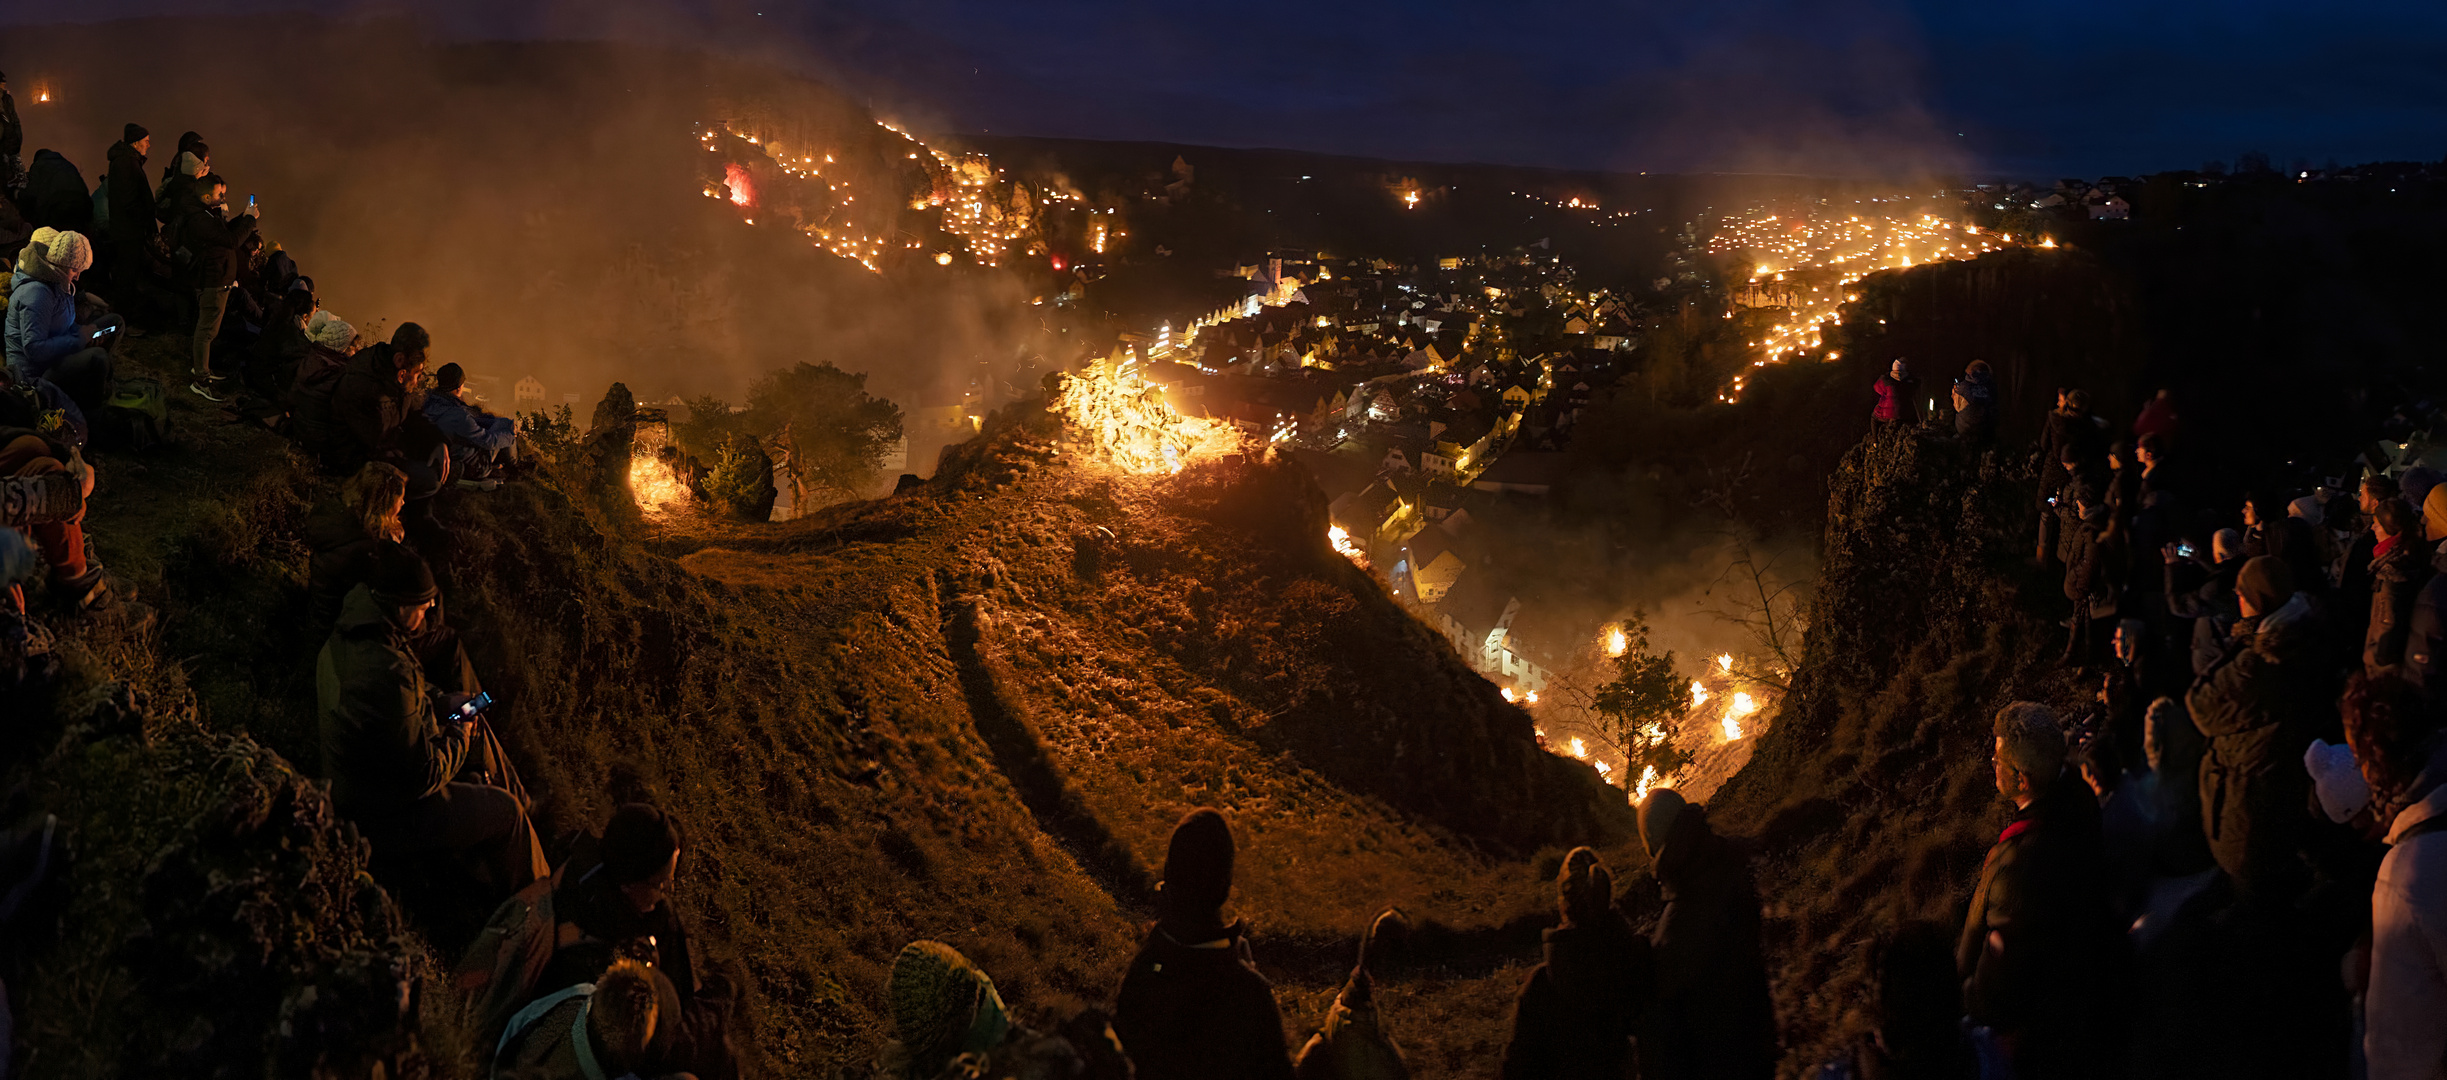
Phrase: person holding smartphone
(416, 768)
(44, 340)
(214, 237)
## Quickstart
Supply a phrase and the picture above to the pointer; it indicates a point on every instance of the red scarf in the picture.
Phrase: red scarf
(2384, 546)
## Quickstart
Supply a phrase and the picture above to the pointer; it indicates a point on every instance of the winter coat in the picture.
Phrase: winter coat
(2405, 1007)
(2043, 892)
(383, 748)
(1710, 1016)
(213, 243)
(2396, 579)
(2081, 431)
(310, 397)
(179, 200)
(41, 329)
(1978, 414)
(1898, 400)
(1352, 1045)
(1199, 1011)
(2259, 707)
(131, 195)
(1574, 1017)
(457, 421)
(602, 914)
(12, 132)
(56, 194)
(368, 404)
(2425, 655)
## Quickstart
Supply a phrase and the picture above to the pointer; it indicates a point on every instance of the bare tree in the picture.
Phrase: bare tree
(1750, 593)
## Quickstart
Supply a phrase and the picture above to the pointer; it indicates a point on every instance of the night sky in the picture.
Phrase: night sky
(1848, 87)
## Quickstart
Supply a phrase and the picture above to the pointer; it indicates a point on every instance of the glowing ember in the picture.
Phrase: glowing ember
(1410, 200)
(1617, 643)
(1508, 694)
(1343, 545)
(1578, 748)
(743, 192)
(1724, 662)
(1699, 693)
(1129, 423)
(1604, 771)
(2047, 242)
(943, 258)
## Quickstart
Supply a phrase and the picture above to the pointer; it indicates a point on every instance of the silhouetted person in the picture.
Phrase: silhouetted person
(404, 761)
(2158, 419)
(1352, 1043)
(372, 406)
(56, 195)
(130, 198)
(2037, 949)
(2353, 597)
(1898, 398)
(12, 139)
(2257, 706)
(1193, 1006)
(2270, 529)
(2087, 585)
(2396, 742)
(1573, 1020)
(2201, 596)
(1710, 1016)
(1975, 404)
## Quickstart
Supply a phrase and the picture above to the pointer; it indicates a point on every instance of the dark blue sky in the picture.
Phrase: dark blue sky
(1820, 86)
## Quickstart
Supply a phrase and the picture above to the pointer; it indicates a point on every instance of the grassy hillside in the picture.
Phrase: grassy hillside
(969, 712)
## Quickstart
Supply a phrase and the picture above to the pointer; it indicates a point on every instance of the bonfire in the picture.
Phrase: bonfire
(1122, 418)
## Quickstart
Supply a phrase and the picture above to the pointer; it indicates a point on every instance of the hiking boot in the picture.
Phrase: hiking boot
(209, 389)
(94, 592)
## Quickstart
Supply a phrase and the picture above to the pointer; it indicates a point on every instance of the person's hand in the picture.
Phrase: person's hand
(2173, 554)
(83, 472)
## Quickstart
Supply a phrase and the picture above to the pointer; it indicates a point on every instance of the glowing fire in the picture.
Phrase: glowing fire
(1742, 706)
(1699, 693)
(743, 191)
(1508, 695)
(1617, 642)
(1724, 662)
(1410, 200)
(1346, 547)
(1648, 780)
(1533, 699)
(1126, 419)
(1578, 748)
(943, 258)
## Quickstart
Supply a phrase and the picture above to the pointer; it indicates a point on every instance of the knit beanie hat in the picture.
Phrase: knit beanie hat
(943, 1006)
(65, 250)
(2337, 779)
(638, 843)
(2434, 513)
(189, 164)
(1198, 863)
(1658, 814)
(400, 578)
(133, 133)
(450, 377)
(2267, 582)
(329, 331)
(2307, 508)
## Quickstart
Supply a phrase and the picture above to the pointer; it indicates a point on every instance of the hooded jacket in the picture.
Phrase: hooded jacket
(2425, 655)
(131, 195)
(1711, 1016)
(2396, 579)
(2257, 708)
(55, 193)
(2086, 576)
(1898, 399)
(458, 422)
(342, 557)
(1574, 1017)
(1978, 414)
(1199, 1010)
(2404, 1037)
(382, 746)
(41, 328)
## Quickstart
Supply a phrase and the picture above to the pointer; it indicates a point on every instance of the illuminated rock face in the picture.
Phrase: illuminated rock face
(655, 470)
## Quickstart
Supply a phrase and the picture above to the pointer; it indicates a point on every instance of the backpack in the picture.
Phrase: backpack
(135, 419)
(500, 970)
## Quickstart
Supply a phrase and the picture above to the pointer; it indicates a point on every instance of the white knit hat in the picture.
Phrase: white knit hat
(64, 250)
(328, 331)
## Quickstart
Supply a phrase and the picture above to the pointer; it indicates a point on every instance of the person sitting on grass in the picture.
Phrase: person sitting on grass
(54, 522)
(949, 1022)
(44, 339)
(407, 761)
(1193, 1005)
(481, 444)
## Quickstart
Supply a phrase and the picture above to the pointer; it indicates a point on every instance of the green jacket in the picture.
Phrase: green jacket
(2258, 710)
(383, 748)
